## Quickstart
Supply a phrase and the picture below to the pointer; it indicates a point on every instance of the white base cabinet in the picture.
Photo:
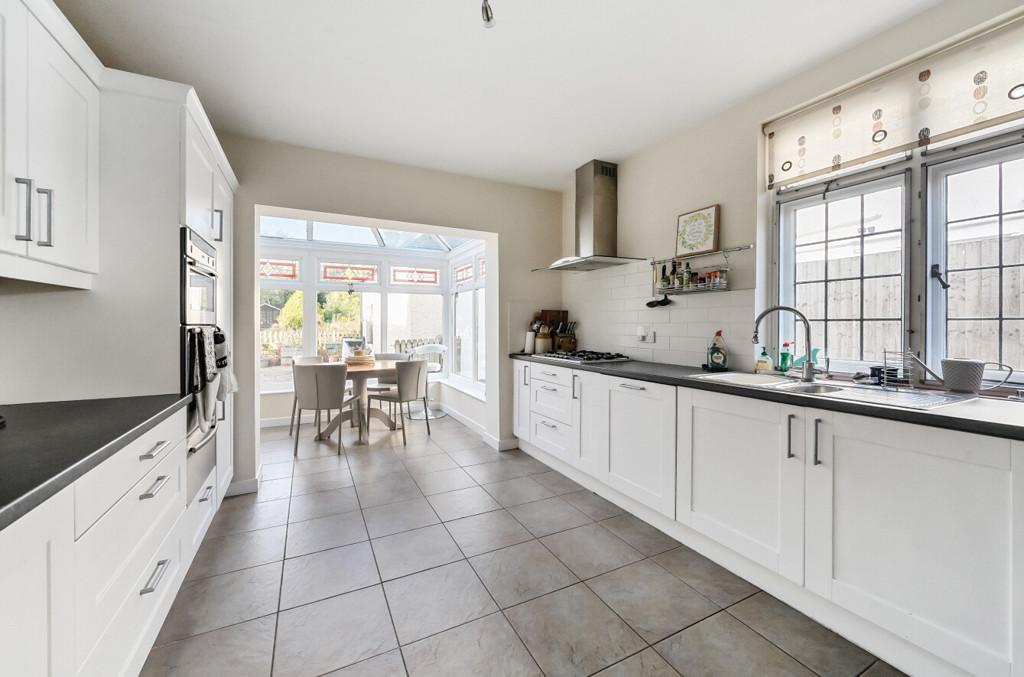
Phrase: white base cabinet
(909, 527)
(521, 400)
(741, 476)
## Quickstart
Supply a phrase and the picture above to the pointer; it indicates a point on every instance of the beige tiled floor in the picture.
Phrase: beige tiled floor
(444, 557)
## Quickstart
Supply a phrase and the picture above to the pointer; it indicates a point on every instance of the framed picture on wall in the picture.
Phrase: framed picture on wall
(697, 231)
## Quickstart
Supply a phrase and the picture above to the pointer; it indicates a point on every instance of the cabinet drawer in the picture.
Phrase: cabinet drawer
(198, 516)
(552, 401)
(123, 648)
(103, 486)
(554, 437)
(113, 554)
(545, 372)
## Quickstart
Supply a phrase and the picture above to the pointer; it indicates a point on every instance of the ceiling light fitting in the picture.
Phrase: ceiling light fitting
(487, 13)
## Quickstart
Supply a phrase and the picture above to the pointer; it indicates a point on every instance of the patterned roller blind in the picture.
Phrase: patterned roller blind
(972, 85)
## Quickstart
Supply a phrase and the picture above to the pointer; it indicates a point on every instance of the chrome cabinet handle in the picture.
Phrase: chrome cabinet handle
(48, 242)
(27, 235)
(789, 436)
(155, 451)
(817, 424)
(552, 426)
(631, 387)
(549, 373)
(526, 376)
(206, 494)
(574, 395)
(223, 410)
(154, 578)
(549, 389)
(219, 216)
(158, 484)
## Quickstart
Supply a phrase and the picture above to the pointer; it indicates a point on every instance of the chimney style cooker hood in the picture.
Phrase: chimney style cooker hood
(596, 219)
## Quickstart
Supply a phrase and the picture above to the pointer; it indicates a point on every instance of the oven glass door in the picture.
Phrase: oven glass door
(200, 297)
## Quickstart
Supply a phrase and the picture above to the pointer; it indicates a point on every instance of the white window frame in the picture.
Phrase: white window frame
(467, 255)
(936, 209)
(787, 263)
(919, 288)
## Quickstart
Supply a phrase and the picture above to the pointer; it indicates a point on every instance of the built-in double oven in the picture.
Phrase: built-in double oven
(198, 362)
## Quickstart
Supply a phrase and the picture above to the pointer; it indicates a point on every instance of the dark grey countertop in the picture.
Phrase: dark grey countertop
(983, 417)
(48, 445)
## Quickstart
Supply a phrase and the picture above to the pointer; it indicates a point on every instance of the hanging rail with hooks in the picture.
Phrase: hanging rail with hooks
(706, 278)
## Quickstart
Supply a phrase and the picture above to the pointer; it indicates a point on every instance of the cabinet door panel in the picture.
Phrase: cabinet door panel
(592, 455)
(63, 155)
(552, 401)
(746, 477)
(641, 442)
(14, 70)
(521, 400)
(223, 203)
(199, 175)
(898, 513)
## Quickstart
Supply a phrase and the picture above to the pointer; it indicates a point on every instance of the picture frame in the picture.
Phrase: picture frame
(697, 231)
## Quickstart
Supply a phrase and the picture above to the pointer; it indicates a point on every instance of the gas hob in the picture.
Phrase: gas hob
(584, 357)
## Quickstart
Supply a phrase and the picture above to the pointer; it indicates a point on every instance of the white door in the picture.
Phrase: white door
(741, 476)
(911, 528)
(63, 155)
(199, 178)
(223, 202)
(521, 400)
(592, 456)
(15, 191)
(641, 442)
(37, 582)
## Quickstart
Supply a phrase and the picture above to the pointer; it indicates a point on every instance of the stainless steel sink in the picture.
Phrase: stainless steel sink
(810, 388)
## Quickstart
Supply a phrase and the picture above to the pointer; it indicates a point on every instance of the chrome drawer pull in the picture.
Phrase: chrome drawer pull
(154, 578)
(549, 425)
(631, 387)
(817, 424)
(48, 242)
(155, 451)
(155, 489)
(549, 373)
(549, 389)
(206, 494)
(789, 436)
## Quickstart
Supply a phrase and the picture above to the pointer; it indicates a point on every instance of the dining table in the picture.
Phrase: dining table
(359, 375)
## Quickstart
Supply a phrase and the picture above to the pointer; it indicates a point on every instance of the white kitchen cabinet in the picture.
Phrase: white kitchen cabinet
(63, 155)
(741, 476)
(592, 456)
(910, 527)
(521, 400)
(200, 169)
(49, 221)
(37, 586)
(14, 192)
(641, 424)
(223, 203)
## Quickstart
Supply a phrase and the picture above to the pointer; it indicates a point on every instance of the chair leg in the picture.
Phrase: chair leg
(426, 416)
(299, 425)
(291, 422)
(402, 414)
(339, 435)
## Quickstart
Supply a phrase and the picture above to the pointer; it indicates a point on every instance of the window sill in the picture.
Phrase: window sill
(477, 391)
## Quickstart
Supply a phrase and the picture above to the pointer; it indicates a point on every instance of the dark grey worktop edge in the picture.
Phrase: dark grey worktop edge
(24, 504)
(688, 377)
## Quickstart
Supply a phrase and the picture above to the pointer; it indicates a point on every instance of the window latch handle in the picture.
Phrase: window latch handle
(937, 274)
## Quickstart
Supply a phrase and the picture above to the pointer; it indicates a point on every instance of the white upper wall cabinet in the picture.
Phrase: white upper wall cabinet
(199, 180)
(49, 222)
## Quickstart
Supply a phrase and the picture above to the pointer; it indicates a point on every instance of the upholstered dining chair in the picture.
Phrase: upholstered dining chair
(320, 387)
(411, 377)
(304, 359)
(382, 384)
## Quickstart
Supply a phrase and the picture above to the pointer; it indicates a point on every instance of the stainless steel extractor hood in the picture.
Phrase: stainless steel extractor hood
(596, 219)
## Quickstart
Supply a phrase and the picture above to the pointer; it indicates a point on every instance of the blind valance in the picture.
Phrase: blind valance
(975, 84)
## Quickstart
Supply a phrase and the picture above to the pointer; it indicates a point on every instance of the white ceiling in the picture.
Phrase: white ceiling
(555, 83)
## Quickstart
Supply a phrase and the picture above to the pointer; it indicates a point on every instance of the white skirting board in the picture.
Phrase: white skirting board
(882, 643)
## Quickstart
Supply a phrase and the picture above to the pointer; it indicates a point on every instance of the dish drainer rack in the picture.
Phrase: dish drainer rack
(898, 370)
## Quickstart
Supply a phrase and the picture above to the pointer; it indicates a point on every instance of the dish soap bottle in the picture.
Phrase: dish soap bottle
(764, 362)
(785, 356)
(718, 354)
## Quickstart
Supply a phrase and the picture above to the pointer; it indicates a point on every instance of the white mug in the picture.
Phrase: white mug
(965, 376)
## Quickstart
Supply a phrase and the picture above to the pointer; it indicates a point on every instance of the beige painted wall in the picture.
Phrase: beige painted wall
(720, 161)
(527, 222)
